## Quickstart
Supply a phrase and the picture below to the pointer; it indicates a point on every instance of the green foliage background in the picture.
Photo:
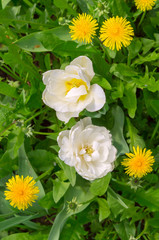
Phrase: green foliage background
(34, 38)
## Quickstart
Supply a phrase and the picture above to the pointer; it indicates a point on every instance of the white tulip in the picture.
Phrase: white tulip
(69, 91)
(88, 148)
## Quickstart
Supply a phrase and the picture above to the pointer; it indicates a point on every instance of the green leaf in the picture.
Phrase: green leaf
(104, 210)
(149, 58)
(70, 172)
(83, 197)
(59, 189)
(117, 131)
(99, 186)
(26, 169)
(147, 44)
(45, 40)
(47, 201)
(135, 139)
(155, 105)
(149, 198)
(7, 90)
(129, 100)
(117, 203)
(61, 218)
(120, 8)
(11, 222)
(125, 230)
(41, 159)
(4, 3)
(102, 82)
(62, 4)
(26, 236)
(134, 48)
(123, 71)
(73, 230)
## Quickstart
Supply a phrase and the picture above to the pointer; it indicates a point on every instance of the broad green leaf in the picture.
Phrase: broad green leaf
(102, 82)
(47, 201)
(104, 210)
(7, 90)
(72, 49)
(129, 100)
(11, 222)
(117, 203)
(26, 169)
(45, 40)
(26, 236)
(82, 196)
(4, 3)
(149, 198)
(147, 44)
(73, 231)
(99, 186)
(134, 48)
(117, 131)
(119, 8)
(70, 172)
(149, 58)
(63, 4)
(59, 189)
(41, 159)
(155, 105)
(125, 230)
(123, 71)
(135, 139)
(83, 6)
(148, 98)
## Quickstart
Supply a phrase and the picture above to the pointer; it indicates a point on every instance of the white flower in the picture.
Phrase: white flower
(69, 91)
(88, 148)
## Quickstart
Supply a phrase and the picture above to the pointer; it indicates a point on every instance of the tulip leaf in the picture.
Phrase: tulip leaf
(99, 186)
(117, 131)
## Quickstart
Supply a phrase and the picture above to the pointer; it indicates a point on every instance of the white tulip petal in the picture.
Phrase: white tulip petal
(66, 116)
(88, 148)
(98, 98)
(69, 92)
(85, 64)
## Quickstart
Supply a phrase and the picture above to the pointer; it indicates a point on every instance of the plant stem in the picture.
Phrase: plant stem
(35, 115)
(43, 133)
(31, 5)
(44, 174)
(155, 130)
(10, 126)
(141, 20)
(144, 230)
(10, 74)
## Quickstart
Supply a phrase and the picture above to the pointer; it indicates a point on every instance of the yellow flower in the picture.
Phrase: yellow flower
(116, 31)
(21, 192)
(139, 163)
(83, 28)
(144, 5)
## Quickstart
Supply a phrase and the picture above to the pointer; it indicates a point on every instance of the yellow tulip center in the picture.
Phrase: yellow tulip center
(75, 83)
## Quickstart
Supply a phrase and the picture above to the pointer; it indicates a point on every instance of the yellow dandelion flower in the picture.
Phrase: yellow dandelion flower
(115, 32)
(144, 5)
(139, 163)
(83, 28)
(21, 192)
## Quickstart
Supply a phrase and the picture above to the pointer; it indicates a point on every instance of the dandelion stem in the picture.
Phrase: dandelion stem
(44, 174)
(141, 20)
